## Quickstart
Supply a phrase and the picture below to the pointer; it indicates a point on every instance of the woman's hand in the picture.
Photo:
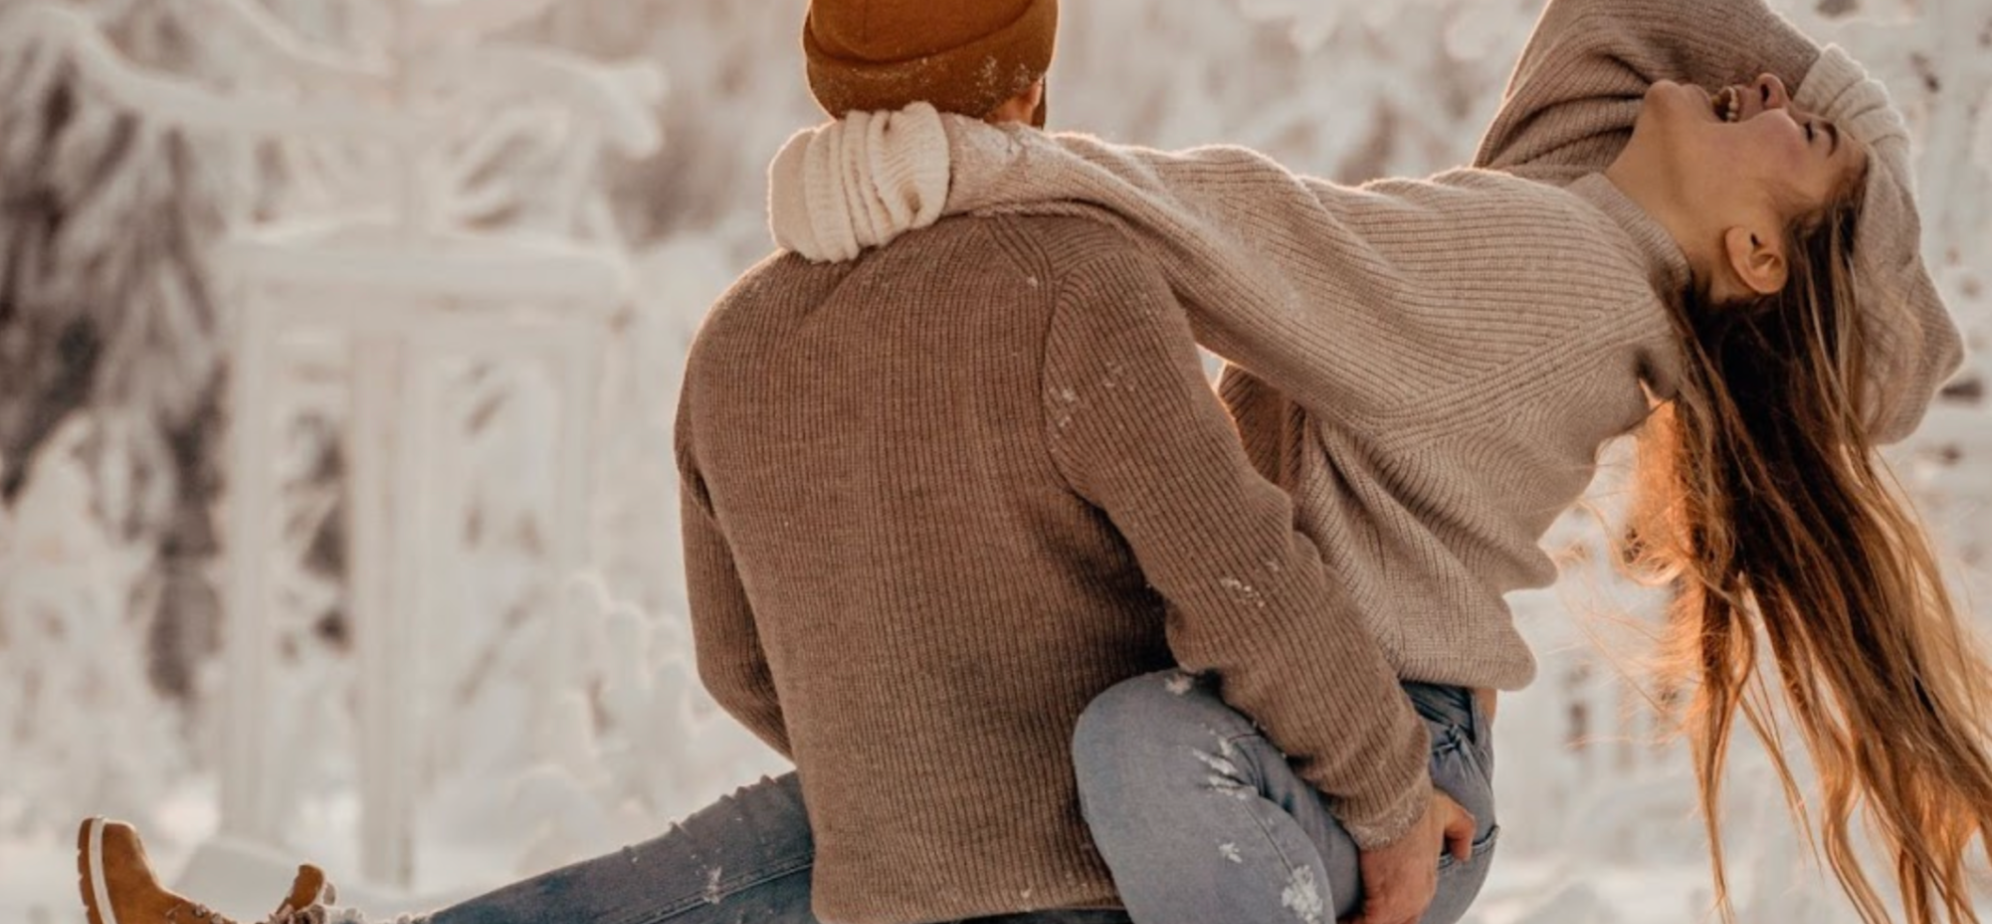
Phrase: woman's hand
(1399, 879)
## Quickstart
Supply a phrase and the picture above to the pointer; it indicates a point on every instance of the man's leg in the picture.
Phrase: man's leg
(745, 858)
(1200, 818)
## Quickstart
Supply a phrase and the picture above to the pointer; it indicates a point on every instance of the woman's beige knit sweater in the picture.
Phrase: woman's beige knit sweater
(1429, 366)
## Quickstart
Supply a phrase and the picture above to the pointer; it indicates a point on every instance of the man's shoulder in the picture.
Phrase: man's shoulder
(778, 276)
(1042, 247)
(1050, 248)
(1058, 245)
(1078, 232)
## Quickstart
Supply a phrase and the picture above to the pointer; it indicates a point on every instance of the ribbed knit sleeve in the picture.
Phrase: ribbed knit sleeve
(1132, 423)
(731, 662)
(1350, 298)
(1576, 91)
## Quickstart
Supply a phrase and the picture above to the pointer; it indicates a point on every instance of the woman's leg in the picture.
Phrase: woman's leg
(745, 858)
(1201, 819)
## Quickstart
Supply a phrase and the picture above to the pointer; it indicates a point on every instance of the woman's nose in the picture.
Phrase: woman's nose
(1771, 92)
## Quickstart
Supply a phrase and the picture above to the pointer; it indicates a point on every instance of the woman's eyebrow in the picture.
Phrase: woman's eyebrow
(1834, 133)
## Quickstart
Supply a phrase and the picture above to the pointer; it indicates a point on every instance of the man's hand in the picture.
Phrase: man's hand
(1399, 879)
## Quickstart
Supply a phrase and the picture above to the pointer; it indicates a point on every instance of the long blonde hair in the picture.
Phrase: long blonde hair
(1758, 495)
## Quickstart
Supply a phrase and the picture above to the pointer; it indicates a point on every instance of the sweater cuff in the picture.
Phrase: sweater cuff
(1914, 345)
(1840, 89)
(1832, 76)
(1382, 825)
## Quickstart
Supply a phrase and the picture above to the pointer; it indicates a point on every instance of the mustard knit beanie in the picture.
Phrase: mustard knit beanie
(961, 56)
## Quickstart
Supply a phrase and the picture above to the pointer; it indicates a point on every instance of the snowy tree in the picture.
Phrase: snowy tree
(122, 326)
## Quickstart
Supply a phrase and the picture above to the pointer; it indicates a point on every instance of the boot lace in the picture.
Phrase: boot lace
(195, 912)
(322, 912)
(314, 913)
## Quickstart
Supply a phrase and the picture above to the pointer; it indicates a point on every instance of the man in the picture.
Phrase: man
(937, 499)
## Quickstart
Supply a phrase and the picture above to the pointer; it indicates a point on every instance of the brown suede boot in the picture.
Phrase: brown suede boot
(119, 888)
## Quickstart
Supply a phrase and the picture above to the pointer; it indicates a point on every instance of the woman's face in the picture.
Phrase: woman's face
(1747, 146)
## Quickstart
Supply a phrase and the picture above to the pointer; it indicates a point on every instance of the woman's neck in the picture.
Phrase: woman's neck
(1647, 182)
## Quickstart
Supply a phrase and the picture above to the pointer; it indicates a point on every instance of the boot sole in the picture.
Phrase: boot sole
(90, 872)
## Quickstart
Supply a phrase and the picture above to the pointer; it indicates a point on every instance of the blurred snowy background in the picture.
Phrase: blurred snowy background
(397, 294)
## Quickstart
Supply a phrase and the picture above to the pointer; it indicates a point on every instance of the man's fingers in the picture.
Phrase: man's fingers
(1378, 908)
(1459, 834)
(1382, 913)
(1397, 916)
(1393, 907)
(1461, 827)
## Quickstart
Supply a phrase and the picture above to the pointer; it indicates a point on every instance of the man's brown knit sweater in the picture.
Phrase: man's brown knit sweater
(938, 499)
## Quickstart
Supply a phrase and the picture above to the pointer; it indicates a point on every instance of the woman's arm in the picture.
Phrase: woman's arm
(1302, 281)
(1572, 99)
(1131, 425)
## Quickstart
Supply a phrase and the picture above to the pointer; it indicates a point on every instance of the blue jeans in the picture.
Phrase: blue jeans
(1191, 833)
(1201, 819)
(744, 860)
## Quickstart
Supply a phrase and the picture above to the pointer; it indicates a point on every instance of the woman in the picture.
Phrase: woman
(1696, 244)
(1430, 366)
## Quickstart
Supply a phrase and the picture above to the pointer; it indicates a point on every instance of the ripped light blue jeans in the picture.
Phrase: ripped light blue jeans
(1202, 819)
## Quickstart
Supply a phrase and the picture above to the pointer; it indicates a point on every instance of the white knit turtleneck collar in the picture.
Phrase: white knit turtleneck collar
(858, 182)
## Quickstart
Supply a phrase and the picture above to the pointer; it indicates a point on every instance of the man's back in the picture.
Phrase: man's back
(935, 604)
(933, 503)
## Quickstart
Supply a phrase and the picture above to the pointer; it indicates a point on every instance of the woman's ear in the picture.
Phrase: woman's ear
(1757, 259)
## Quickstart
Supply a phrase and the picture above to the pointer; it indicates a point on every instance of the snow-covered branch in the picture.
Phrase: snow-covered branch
(43, 29)
(620, 98)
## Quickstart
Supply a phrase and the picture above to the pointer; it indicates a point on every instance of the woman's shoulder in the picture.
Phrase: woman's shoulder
(1485, 181)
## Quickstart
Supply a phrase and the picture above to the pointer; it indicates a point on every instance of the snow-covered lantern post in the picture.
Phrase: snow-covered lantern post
(391, 252)
(401, 309)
